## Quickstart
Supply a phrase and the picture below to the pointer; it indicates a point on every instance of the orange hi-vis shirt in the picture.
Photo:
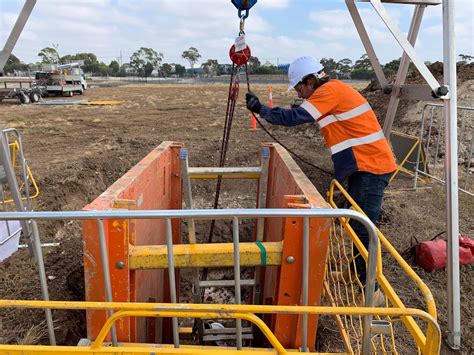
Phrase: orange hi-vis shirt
(350, 130)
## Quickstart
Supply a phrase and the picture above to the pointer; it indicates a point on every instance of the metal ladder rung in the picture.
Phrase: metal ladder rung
(224, 173)
(226, 337)
(226, 331)
(225, 283)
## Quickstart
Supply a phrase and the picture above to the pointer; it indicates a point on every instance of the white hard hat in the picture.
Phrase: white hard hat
(300, 68)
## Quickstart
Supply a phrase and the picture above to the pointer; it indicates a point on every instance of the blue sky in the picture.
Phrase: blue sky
(277, 30)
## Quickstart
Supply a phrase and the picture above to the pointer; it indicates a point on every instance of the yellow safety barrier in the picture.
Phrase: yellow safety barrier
(343, 287)
(245, 312)
(102, 102)
(15, 147)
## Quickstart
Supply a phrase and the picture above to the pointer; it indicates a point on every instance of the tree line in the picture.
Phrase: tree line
(146, 62)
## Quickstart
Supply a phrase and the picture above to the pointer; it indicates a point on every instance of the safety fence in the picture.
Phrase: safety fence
(356, 320)
(431, 150)
(344, 289)
(28, 187)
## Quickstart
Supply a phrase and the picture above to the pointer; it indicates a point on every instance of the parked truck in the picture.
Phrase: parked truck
(63, 79)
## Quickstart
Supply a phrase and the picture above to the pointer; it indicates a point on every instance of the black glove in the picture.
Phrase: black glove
(253, 103)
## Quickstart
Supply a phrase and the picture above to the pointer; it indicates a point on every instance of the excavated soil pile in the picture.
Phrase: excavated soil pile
(379, 101)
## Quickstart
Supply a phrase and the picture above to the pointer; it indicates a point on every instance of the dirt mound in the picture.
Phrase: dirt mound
(379, 100)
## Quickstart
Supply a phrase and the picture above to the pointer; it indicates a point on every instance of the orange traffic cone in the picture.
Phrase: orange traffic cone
(270, 97)
(254, 122)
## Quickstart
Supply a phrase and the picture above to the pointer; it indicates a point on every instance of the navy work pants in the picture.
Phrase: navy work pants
(367, 190)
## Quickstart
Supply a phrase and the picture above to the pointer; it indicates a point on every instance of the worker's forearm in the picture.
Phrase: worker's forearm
(286, 117)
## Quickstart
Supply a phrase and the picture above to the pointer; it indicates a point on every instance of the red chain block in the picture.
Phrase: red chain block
(240, 57)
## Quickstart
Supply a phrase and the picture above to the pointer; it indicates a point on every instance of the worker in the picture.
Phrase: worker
(360, 152)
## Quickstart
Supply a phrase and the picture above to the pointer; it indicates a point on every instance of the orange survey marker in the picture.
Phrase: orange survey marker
(254, 122)
(270, 97)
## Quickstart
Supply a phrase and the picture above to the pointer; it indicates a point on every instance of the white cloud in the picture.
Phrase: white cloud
(276, 29)
(273, 4)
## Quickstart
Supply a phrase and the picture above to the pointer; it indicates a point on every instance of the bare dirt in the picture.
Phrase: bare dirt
(76, 152)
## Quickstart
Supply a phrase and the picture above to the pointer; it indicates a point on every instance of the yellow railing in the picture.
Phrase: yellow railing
(15, 147)
(210, 311)
(343, 286)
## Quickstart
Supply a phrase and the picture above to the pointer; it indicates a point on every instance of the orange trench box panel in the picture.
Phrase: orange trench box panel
(289, 187)
(156, 183)
(153, 184)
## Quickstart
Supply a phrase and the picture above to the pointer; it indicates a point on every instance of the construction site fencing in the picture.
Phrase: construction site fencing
(342, 287)
(28, 187)
(431, 150)
(368, 328)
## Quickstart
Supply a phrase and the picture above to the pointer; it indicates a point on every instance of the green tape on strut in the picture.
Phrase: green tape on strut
(263, 262)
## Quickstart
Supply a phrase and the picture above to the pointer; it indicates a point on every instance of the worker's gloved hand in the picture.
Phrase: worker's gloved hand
(253, 103)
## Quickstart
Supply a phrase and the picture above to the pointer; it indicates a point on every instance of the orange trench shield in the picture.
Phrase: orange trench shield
(156, 183)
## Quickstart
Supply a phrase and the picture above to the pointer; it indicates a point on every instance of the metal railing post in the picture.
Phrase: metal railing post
(304, 331)
(369, 284)
(43, 280)
(106, 271)
(235, 237)
(418, 150)
(171, 273)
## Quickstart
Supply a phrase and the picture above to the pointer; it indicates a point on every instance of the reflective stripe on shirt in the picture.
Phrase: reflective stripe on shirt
(313, 111)
(345, 115)
(353, 142)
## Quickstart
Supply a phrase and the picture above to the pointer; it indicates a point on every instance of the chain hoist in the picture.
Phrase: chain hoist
(239, 54)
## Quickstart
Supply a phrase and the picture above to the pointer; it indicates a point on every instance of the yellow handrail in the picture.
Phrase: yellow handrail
(246, 312)
(14, 147)
(412, 327)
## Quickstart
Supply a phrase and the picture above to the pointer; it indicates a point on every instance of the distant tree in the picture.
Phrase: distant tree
(166, 69)
(266, 69)
(363, 62)
(192, 56)
(114, 68)
(362, 69)
(180, 70)
(344, 67)
(14, 64)
(391, 67)
(330, 66)
(145, 60)
(211, 67)
(49, 55)
(91, 63)
(253, 64)
(465, 59)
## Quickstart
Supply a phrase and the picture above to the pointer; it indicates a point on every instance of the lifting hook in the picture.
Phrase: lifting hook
(243, 5)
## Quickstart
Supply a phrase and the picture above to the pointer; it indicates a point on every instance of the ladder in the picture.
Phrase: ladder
(257, 173)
